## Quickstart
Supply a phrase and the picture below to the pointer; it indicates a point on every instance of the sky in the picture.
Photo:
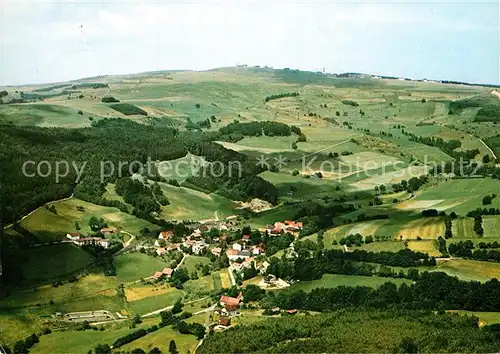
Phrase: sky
(51, 41)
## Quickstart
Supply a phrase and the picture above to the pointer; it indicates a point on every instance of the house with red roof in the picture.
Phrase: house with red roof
(73, 236)
(167, 272)
(166, 235)
(229, 302)
(157, 275)
(225, 321)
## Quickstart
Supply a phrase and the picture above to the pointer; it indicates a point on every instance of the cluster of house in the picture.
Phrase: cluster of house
(194, 241)
(228, 307)
(78, 240)
(242, 256)
(166, 272)
(279, 227)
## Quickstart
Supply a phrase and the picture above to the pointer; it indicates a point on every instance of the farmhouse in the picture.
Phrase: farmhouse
(157, 275)
(287, 226)
(233, 254)
(199, 246)
(237, 247)
(91, 241)
(174, 247)
(216, 251)
(262, 266)
(73, 236)
(161, 251)
(167, 272)
(229, 302)
(166, 235)
(256, 250)
(108, 231)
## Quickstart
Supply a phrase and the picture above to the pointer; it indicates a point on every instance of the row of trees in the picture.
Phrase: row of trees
(312, 262)
(280, 95)
(268, 128)
(449, 146)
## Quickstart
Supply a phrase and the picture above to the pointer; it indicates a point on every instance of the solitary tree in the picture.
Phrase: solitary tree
(172, 347)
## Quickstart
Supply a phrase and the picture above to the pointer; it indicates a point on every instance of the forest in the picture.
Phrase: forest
(354, 330)
(83, 161)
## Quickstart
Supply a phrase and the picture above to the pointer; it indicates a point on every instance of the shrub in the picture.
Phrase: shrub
(109, 99)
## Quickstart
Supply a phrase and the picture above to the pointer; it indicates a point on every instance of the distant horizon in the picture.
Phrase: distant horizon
(57, 41)
(384, 76)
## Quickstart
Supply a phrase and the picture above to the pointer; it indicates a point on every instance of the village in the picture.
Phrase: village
(242, 251)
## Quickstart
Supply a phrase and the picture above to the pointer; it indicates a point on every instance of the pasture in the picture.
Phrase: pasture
(186, 343)
(335, 280)
(135, 266)
(189, 204)
(67, 211)
(470, 270)
(64, 260)
(148, 298)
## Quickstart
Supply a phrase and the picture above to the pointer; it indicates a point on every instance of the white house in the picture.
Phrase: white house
(199, 246)
(237, 247)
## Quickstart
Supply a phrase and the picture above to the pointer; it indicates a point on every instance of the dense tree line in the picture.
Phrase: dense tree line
(280, 95)
(483, 211)
(432, 290)
(236, 131)
(466, 249)
(412, 185)
(314, 263)
(449, 147)
(350, 103)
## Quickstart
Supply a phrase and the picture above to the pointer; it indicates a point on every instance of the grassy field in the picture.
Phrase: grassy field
(151, 300)
(186, 343)
(82, 341)
(47, 226)
(485, 318)
(134, 266)
(334, 280)
(461, 195)
(425, 246)
(471, 270)
(17, 324)
(90, 292)
(42, 114)
(188, 204)
(191, 262)
(114, 217)
(64, 259)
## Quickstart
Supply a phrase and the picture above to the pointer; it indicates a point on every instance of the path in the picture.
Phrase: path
(132, 238)
(487, 147)
(231, 275)
(156, 312)
(180, 263)
(207, 329)
(31, 212)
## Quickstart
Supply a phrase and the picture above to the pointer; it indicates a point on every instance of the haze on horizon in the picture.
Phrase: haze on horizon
(45, 42)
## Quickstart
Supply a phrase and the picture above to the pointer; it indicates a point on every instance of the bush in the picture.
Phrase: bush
(350, 103)
(109, 99)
